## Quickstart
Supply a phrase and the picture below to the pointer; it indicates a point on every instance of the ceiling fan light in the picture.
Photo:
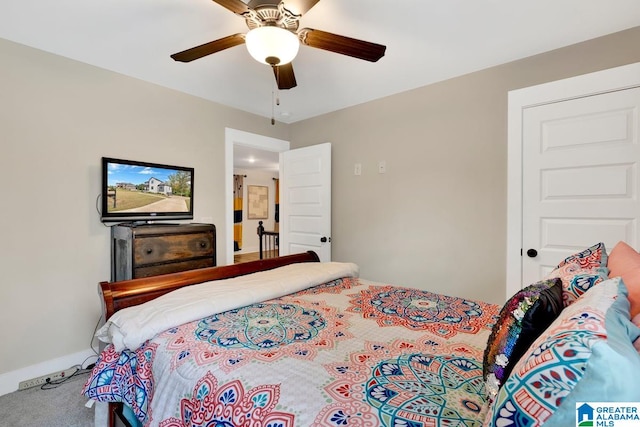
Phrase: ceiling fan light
(272, 45)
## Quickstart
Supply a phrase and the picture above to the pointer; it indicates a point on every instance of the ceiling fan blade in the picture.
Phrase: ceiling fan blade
(299, 7)
(340, 44)
(285, 77)
(235, 6)
(209, 48)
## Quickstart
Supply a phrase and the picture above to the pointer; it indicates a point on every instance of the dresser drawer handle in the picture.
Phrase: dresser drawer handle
(149, 251)
(203, 244)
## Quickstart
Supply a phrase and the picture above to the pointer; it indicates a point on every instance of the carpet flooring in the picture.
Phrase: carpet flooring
(62, 406)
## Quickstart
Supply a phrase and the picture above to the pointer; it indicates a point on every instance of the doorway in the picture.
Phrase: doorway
(237, 138)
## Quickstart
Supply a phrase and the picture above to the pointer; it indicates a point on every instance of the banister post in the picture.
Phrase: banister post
(260, 233)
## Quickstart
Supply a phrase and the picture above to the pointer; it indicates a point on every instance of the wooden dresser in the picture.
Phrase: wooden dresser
(149, 250)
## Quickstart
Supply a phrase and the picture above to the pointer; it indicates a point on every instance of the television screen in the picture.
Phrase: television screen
(141, 191)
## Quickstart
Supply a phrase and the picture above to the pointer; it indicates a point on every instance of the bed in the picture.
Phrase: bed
(290, 341)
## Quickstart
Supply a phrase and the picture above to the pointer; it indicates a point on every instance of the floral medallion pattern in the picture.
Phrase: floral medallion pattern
(421, 310)
(420, 388)
(332, 287)
(404, 384)
(259, 332)
(230, 406)
(261, 326)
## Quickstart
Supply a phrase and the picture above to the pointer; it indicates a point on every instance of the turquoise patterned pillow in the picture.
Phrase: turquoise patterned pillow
(586, 355)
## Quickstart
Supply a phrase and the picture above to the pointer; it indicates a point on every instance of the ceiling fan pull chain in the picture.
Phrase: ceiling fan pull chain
(273, 108)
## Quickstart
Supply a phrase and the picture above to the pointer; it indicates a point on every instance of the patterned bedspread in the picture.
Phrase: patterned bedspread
(346, 353)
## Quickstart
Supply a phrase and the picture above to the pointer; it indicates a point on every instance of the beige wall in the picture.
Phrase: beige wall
(437, 218)
(57, 119)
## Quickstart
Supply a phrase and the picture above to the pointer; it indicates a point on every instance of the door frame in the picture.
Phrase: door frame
(618, 78)
(234, 137)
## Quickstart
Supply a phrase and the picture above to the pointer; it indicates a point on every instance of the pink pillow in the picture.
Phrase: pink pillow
(624, 261)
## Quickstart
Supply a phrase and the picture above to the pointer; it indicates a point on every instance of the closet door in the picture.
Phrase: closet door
(580, 177)
(573, 174)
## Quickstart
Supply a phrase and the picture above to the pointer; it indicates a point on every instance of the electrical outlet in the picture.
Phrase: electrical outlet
(38, 381)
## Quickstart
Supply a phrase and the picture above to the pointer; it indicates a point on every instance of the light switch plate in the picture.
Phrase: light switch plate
(382, 166)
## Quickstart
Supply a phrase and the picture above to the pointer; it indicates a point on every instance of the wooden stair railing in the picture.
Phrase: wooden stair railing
(269, 242)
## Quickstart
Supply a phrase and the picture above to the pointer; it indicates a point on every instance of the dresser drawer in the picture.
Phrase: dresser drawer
(158, 249)
(173, 267)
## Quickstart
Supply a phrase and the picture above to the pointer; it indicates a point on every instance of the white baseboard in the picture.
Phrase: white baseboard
(9, 380)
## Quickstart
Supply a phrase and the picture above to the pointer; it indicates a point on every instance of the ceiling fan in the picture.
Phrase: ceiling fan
(274, 38)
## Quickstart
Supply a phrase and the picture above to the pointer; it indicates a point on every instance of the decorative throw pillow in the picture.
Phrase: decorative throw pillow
(592, 257)
(577, 280)
(586, 355)
(624, 261)
(521, 320)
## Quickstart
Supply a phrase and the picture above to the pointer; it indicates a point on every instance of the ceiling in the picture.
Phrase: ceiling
(245, 157)
(427, 41)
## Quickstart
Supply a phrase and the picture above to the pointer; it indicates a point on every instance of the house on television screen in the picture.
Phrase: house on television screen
(154, 185)
(126, 185)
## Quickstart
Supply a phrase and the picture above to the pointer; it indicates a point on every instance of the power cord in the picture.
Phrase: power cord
(98, 199)
(55, 383)
(79, 370)
(95, 329)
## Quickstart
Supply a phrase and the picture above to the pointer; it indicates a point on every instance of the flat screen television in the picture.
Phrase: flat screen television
(135, 191)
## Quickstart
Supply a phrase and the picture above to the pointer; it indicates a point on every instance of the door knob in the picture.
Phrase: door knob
(532, 253)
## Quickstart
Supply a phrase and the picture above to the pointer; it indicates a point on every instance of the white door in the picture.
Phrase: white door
(305, 201)
(580, 177)
(573, 174)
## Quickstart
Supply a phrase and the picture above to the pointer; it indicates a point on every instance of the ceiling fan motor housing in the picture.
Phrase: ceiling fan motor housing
(264, 12)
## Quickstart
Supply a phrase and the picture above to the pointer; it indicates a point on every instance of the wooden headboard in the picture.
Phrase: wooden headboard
(119, 295)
